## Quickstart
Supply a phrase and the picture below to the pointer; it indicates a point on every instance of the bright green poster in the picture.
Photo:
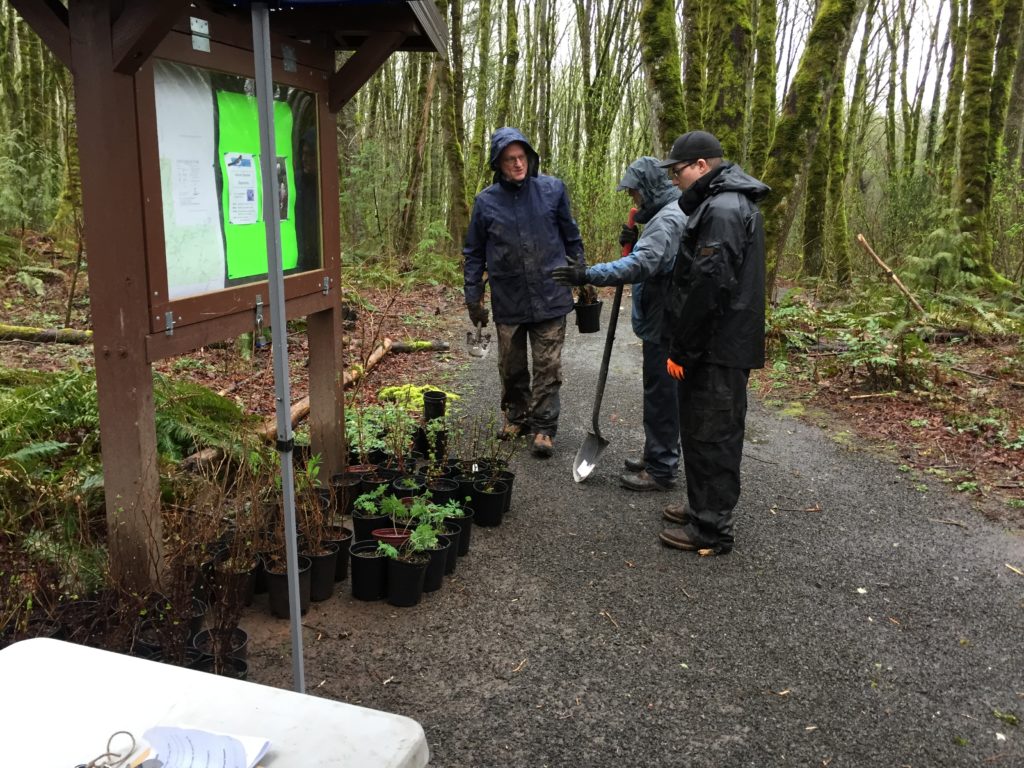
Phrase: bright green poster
(238, 152)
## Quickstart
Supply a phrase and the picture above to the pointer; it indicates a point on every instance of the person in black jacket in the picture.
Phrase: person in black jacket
(520, 230)
(714, 327)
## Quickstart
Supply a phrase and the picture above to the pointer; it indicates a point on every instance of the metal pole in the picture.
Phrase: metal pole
(275, 279)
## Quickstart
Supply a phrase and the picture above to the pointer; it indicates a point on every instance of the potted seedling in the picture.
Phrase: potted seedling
(368, 514)
(407, 565)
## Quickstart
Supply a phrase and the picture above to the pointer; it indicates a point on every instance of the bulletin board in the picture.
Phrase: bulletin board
(211, 179)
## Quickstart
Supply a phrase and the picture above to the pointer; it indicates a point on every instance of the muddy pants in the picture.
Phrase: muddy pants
(712, 416)
(532, 407)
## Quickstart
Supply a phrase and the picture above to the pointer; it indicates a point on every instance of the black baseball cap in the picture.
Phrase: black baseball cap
(695, 145)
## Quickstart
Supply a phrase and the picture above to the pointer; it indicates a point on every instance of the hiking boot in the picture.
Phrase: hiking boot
(643, 481)
(511, 431)
(635, 465)
(677, 513)
(678, 538)
(543, 446)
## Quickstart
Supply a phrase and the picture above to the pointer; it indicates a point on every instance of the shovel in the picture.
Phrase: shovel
(594, 444)
(478, 342)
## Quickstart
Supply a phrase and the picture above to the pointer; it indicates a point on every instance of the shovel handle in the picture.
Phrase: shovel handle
(613, 320)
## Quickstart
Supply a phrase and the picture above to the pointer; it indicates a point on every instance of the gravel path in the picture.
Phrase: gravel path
(859, 621)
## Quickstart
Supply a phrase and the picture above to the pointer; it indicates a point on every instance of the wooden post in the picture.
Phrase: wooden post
(112, 203)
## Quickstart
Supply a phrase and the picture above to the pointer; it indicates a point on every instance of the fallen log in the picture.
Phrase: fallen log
(890, 274)
(420, 346)
(44, 335)
(299, 410)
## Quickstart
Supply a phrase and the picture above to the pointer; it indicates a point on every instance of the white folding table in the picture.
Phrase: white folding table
(60, 702)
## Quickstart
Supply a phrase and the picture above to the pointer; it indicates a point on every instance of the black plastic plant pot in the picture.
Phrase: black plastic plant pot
(342, 538)
(277, 588)
(489, 502)
(222, 643)
(405, 580)
(435, 570)
(434, 402)
(508, 478)
(369, 571)
(347, 486)
(588, 317)
(442, 490)
(407, 486)
(364, 526)
(321, 573)
(466, 521)
(452, 537)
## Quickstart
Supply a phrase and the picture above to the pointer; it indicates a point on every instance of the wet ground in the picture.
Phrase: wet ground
(858, 622)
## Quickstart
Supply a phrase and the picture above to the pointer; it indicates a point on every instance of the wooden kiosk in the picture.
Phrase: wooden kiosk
(167, 139)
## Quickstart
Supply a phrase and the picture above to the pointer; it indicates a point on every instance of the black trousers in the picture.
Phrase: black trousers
(661, 415)
(712, 417)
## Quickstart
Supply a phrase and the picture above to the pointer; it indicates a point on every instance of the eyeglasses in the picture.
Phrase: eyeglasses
(677, 170)
(514, 160)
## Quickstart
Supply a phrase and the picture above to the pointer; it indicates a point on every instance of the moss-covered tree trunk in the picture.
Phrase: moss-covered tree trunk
(410, 201)
(838, 229)
(974, 139)
(457, 68)
(1014, 131)
(503, 106)
(931, 134)
(546, 34)
(728, 76)
(659, 50)
(803, 114)
(695, 51)
(762, 110)
(458, 206)
(1006, 61)
(948, 146)
(893, 83)
(478, 142)
(815, 202)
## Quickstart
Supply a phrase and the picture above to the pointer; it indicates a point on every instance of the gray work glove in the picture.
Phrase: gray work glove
(573, 274)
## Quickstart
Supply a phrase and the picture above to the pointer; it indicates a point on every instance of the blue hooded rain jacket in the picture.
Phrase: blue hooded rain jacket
(517, 234)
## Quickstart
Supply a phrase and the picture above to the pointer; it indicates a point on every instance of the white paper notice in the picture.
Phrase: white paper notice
(194, 748)
(243, 200)
(191, 209)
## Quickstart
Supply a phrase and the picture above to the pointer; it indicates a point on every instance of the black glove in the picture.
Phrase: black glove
(574, 274)
(478, 314)
(628, 235)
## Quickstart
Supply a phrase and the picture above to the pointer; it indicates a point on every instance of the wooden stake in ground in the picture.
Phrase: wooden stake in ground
(889, 273)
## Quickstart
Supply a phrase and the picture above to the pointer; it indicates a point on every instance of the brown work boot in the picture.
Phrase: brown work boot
(678, 538)
(644, 481)
(511, 431)
(543, 446)
(677, 513)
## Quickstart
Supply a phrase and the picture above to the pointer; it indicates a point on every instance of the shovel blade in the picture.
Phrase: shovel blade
(586, 456)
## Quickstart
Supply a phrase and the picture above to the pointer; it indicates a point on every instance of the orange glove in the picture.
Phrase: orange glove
(675, 370)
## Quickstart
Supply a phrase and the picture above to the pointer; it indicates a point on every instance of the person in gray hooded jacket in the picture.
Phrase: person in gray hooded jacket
(649, 267)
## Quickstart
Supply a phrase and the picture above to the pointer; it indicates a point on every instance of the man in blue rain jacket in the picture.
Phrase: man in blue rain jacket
(520, 230)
